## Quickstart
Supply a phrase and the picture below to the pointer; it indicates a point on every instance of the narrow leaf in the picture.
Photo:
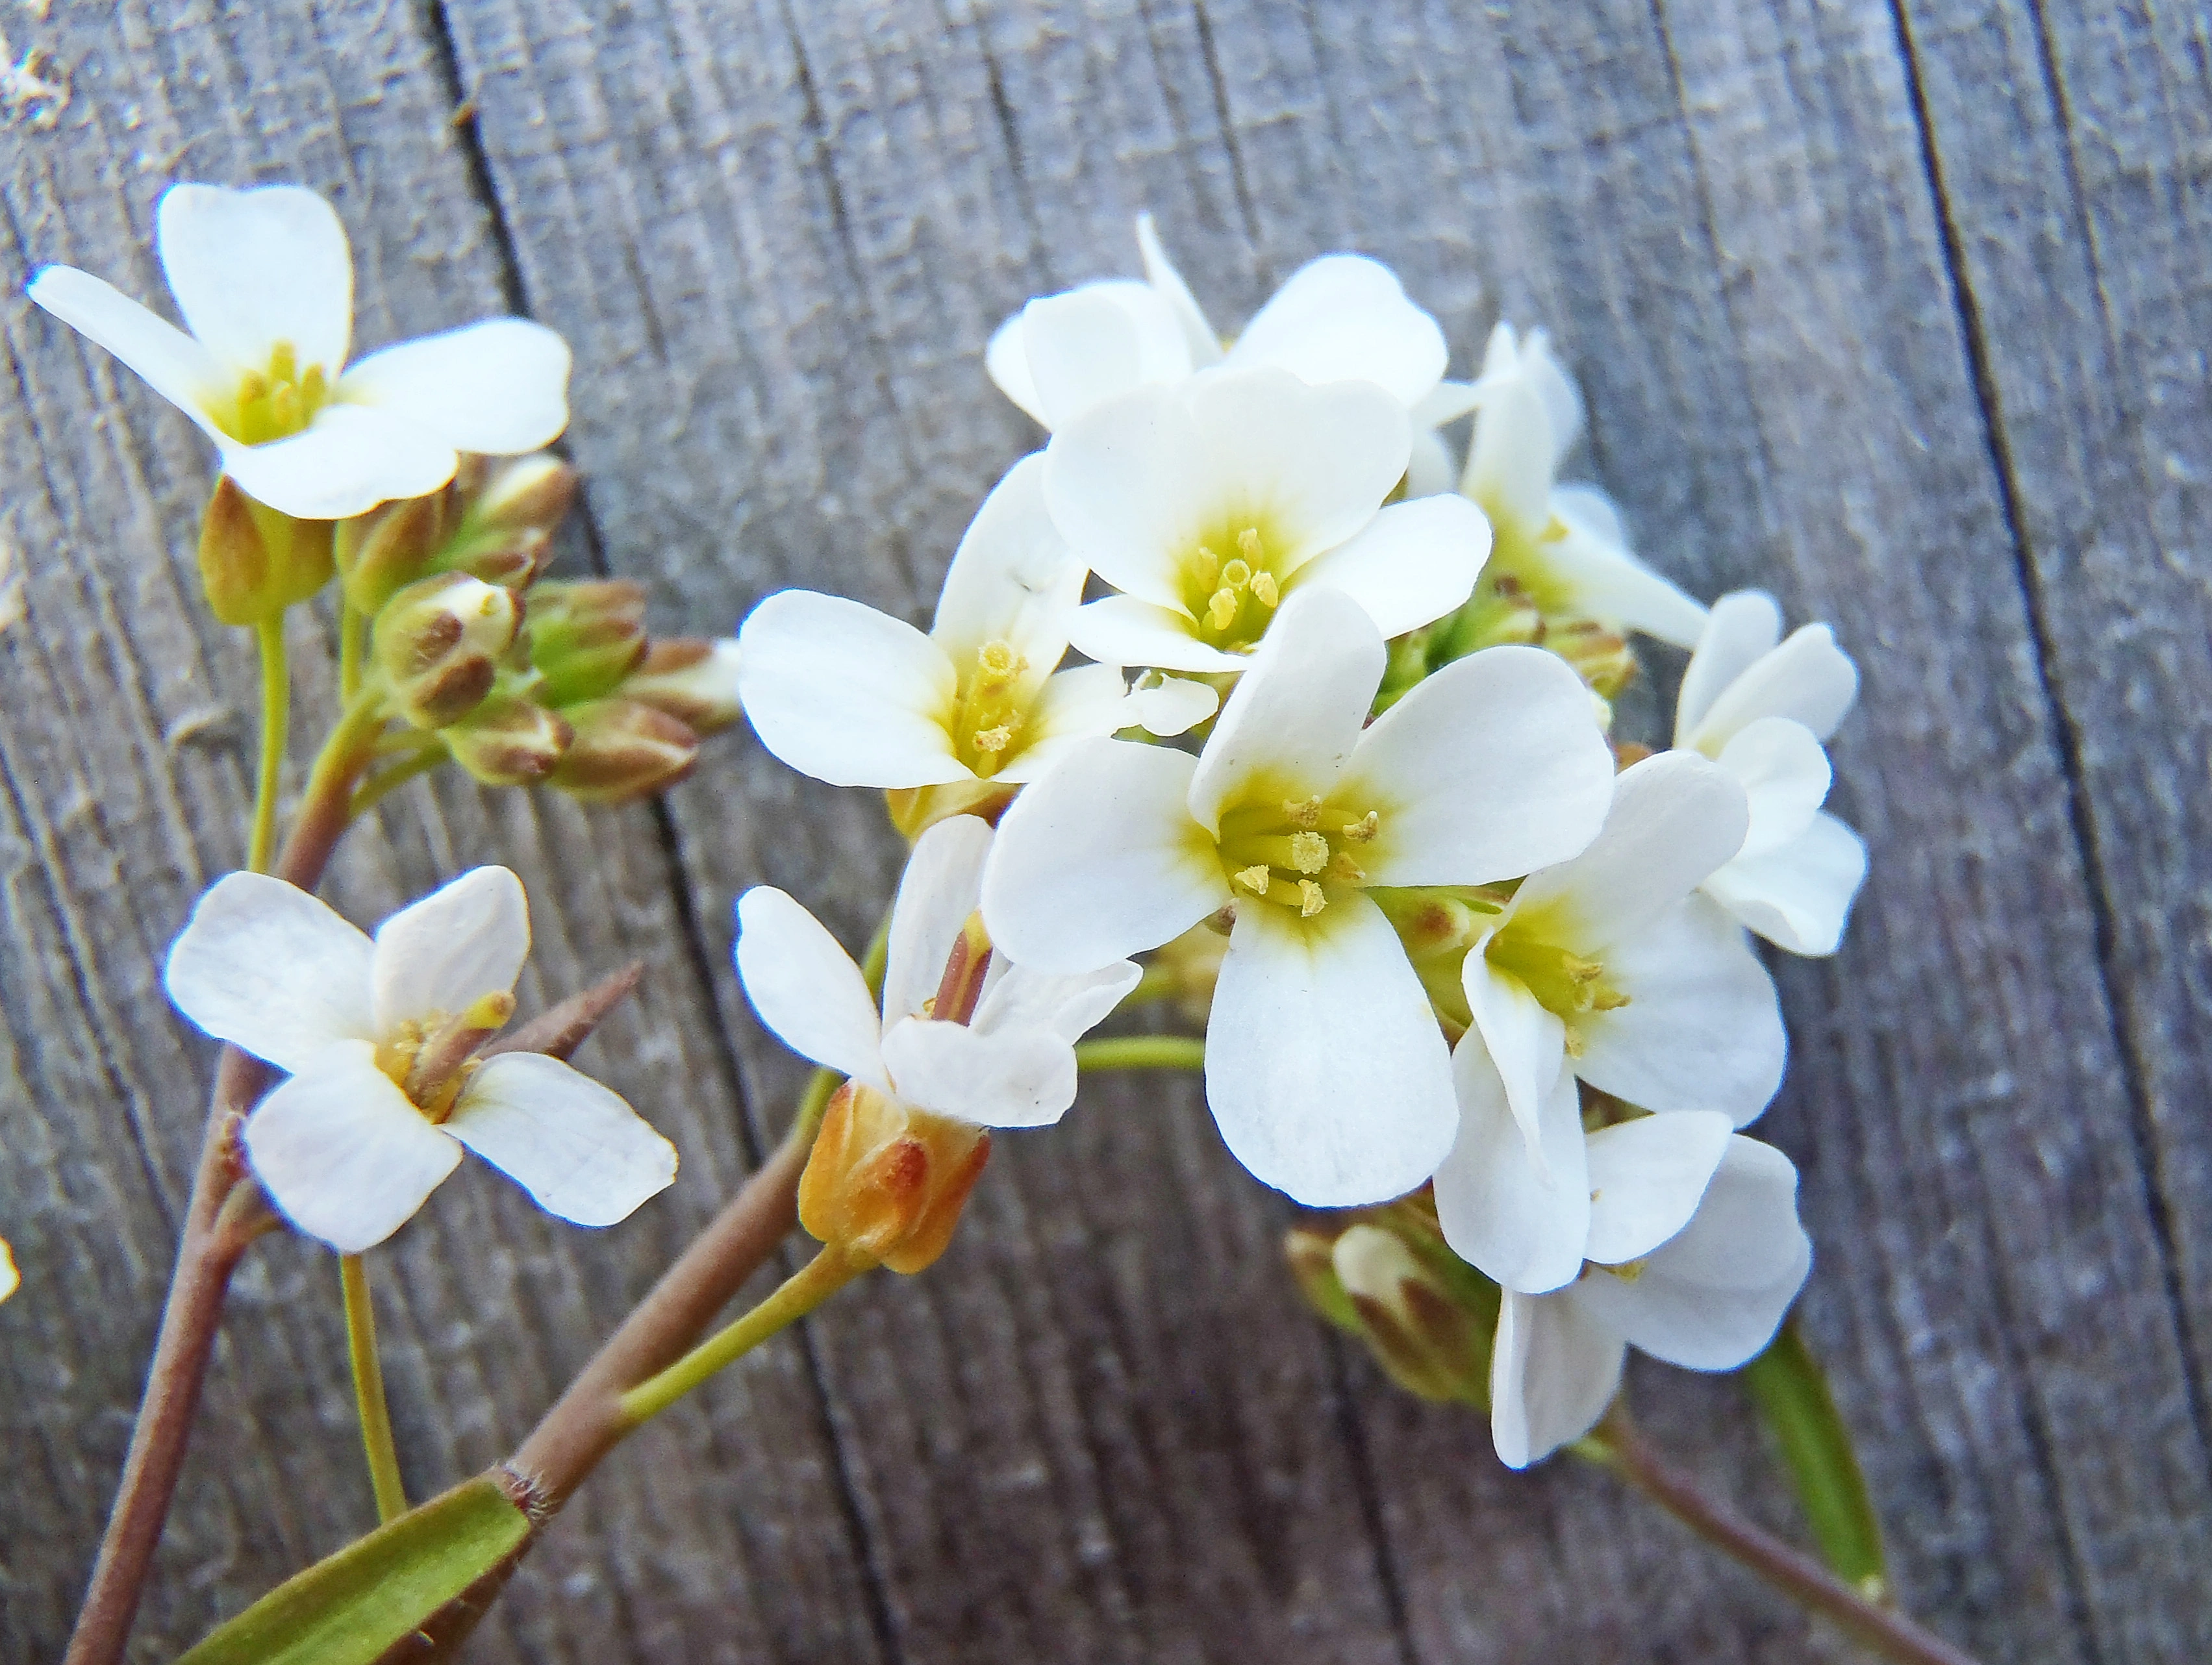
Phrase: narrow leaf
(378, 1591)
(1791, 1391)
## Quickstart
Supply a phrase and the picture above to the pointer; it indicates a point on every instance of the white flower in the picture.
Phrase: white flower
(342, 1146)
(264, 282)
(10, 1280)
(1012, 1066)
(1342, 317)
(1695, 1256)
(1760, 707)
(1562, 545)
(1211, 501)
(854, 697)
(1324, 1065)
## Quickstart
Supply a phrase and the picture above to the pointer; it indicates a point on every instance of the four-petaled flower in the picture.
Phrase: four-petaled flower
(1760, 707)
(1210, 502)
(263, 279)
(1324, 1065)
(380, 1039)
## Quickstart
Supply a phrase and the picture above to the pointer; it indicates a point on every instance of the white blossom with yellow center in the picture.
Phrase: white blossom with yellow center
(1210, 502)
(1563, 544)
(1324, 1065)
(263, 279)
(857, 698)
(1760, 707)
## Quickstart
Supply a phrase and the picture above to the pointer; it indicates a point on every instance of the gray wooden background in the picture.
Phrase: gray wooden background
(1900, 312)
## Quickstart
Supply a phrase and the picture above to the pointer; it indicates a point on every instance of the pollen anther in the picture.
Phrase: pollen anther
(1264, 589)
(1310, 899)
(1255, 879)
(1309, 851)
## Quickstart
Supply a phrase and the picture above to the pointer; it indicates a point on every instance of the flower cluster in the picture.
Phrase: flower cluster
(1345, 712)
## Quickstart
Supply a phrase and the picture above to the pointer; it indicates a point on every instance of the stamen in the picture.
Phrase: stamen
(1248, 544)
(1310, 899)
(1362, 830)
(1309, 851)
(1345, 870)
(999, 664)
(1235, 576)
(1209, 568)
(1255, 879)
(1263, 587)
(1222, 609)
(991, 741)
(1307, 815)
(1608, 999)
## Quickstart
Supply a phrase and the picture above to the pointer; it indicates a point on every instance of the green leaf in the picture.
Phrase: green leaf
(1791, 1392)
(348, 1609)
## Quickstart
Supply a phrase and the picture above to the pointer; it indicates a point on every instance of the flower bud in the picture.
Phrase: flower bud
(886, 1181)
(508, 741)
(392, 547)
(438, 643)
(1606, 661)
(915, 809)
(1430, 1344)
(585, 638)
(692, 679)
(522, 493)
(622, 749)
(255, 561)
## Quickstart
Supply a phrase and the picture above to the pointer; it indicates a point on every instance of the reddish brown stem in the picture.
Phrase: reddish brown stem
(1796, 1574)
(588, 1421)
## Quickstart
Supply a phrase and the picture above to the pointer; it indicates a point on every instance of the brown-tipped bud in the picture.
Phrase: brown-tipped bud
(511, 560)
(1427, 1338)
(886, 1181)
(692, 679)
(1501, 614)
(508, 742)
(585, 638)
(622, 749)
(1606, 661)
(915, 809)
(438, 644)
(255, 561)
(519, 493)
(1312, 1255)
(394, 548)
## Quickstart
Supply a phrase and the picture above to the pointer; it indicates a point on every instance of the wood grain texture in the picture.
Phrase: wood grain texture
(1923, 360)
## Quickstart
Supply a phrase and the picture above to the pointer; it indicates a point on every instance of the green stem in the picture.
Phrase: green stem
(276, 712)
(352, 637)
(1140, 1052)
(368, 1390)
(374, 792)
(799, 1294)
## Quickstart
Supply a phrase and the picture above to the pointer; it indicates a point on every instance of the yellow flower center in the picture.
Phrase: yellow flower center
(431, 1057)
(987, 714)
(1295, 852)
(1565, 983)
(1232, 588)
(275, 402)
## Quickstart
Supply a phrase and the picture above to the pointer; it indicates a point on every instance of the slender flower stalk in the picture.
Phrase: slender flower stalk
(1140, 1052)
(369, 1389)
(275, 714)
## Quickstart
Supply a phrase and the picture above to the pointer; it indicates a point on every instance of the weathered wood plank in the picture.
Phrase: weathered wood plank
(124, 755)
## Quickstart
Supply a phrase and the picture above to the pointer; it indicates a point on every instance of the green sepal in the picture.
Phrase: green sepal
(1791, 1391)
(378, 1590)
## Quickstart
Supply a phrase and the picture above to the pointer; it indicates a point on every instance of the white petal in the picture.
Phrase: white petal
(1553, 1369)
(1200, 337)
(253, 268)
(1097, 343)
(1509, 464)
(1068, 1008)
(847, 694)
(263, 965)
(1123, 629)
(1517, 1219)
(1006, 360)
(1429, 467)
(1013, 580)
(1675, 819)
(1100, 859)
(1602, 580)
(1563, 405)
(350, 459)
(1525, 1043)
(1073, 706)
(1646, 1177)
(1324, 1066)
(579, 1150)
(1174, 705)
(1589, 511)
(1021, 1078)
(498, 388)
(1490, 769)
(1785, 773)
(174, 365)
(806, 988)
(465, 941)
(1807, 678)
(1346, 318)
(1127, 488)
(1414, 562)
(1715, 1294)
(342, 1153)
(1743, 627)
(1798, 896)
(943, 879)
(1446, 403)
(1702, 1030)
(1291, 723)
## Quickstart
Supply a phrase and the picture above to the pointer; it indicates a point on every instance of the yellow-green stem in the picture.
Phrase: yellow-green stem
(372, 793)
(799, 1294)
(276, 714)
(368, 1390)
(353, 630)
(1140, 1052)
